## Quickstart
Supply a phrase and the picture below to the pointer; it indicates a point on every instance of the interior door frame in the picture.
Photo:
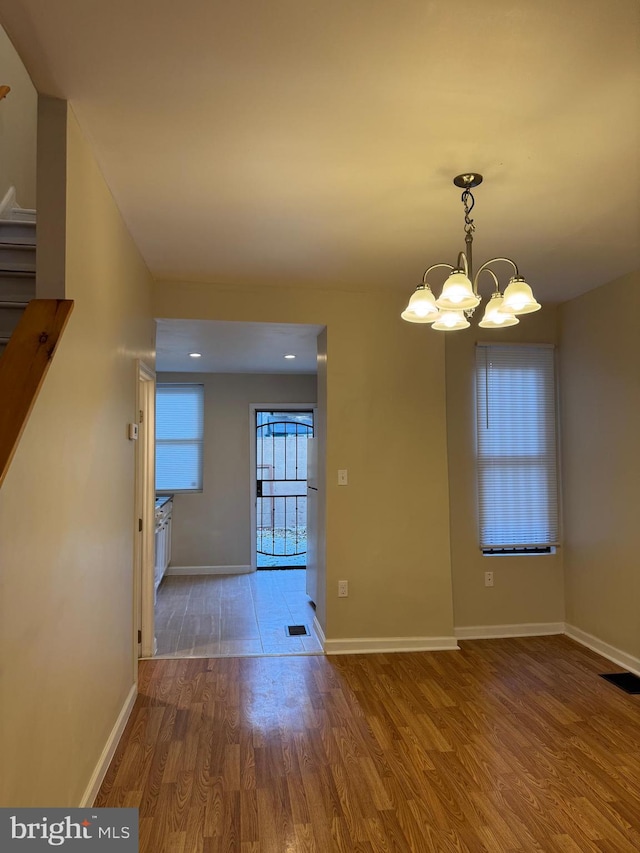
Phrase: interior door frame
(253, 408)
(144, 518)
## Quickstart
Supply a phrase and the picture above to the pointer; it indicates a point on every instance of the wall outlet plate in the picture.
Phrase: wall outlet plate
(343, 589)
(488, 578)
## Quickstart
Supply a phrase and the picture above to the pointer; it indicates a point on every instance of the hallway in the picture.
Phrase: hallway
(234, 615)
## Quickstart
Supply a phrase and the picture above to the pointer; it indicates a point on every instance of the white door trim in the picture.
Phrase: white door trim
(253, 408)
(143, 593)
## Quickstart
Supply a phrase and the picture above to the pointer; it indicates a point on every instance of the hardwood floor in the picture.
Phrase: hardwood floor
(506, 745)
(228, 615)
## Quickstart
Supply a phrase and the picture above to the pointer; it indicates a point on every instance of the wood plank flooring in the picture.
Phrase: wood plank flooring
(227, 615)
(504, 746)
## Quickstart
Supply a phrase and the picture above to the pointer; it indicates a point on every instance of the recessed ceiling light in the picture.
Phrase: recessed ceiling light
(195, 355)
(289, 356)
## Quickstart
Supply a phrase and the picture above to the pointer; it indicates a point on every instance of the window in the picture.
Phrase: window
(516, 448)
(179, 433)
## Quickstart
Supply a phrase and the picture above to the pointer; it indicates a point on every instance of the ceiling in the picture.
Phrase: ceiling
(314, 143)
(227, 347)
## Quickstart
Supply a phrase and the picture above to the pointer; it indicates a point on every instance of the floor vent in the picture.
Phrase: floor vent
(626, 681)
(297, 631)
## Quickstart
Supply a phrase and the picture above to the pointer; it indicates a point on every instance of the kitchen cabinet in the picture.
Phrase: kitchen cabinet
(163, 515)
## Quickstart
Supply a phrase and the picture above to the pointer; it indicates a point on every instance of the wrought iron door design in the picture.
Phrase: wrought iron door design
(281, 488)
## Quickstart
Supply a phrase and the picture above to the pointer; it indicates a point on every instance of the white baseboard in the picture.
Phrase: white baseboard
(626, 661)
(495, 632)
(317, 627)
(208, 570)
(374, 645)
(102, 766)
(543, 629)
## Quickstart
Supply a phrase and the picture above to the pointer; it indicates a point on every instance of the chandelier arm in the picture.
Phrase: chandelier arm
(491, 273)
(463, 263)
(433, 267)
(493, 261)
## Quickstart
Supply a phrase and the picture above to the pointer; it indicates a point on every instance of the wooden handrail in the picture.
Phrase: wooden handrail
(23, 366)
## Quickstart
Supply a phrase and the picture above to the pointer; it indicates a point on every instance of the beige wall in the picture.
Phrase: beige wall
(212, 527)
(66, 516)
(18, 127)
(601, 453)
(526, 589)
(387, 532)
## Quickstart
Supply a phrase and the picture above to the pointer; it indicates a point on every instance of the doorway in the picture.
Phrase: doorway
(251, 612)
(280, 531)
(144, 544)
(216, 602)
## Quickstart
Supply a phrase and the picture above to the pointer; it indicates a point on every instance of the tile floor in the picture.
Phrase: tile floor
(234, 615)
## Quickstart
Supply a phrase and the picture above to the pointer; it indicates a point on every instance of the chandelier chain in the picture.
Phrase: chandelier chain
(469, 226)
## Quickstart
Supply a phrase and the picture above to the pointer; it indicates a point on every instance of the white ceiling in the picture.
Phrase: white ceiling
(235, 347)
(308, 143)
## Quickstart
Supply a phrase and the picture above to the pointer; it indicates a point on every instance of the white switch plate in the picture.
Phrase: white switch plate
(132, 432)
(488, 578)
(342, 476)
(343, 589)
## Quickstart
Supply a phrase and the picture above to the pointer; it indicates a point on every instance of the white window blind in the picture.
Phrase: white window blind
(179, 435)
(516, 446)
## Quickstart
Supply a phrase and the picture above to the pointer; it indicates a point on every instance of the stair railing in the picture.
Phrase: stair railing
(23, 367)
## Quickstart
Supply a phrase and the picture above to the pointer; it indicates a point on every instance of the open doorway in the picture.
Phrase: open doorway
(211, 600)
(282, 438)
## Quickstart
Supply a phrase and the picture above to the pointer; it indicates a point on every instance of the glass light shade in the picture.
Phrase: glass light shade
(519, 298)
(422, 306)
(495, 317)
(457, 293)
(450, 321)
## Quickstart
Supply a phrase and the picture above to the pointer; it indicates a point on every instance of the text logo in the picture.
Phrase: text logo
(80, 830)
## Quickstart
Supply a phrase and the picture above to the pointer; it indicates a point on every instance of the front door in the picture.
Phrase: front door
(281, 488)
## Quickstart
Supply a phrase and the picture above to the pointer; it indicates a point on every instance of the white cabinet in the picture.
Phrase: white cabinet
(163, 541)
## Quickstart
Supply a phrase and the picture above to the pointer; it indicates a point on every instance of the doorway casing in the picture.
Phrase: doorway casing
(144, 523)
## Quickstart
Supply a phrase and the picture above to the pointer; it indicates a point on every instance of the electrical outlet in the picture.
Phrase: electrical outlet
(488, 578)
(343, 589)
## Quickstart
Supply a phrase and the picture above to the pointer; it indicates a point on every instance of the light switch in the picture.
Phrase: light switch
(342, 476)
(133, 432)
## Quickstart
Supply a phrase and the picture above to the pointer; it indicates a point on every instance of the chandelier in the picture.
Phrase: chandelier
(460, 296)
